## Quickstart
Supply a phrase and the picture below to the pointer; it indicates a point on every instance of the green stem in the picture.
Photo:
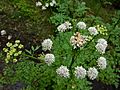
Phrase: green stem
(33, 58)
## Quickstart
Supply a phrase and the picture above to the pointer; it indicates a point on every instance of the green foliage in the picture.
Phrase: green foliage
(39, 76)
(25, 8)
(68, 10)
(33, 75)
(59, 18)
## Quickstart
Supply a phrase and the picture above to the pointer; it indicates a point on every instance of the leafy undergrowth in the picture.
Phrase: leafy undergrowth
(38, 65)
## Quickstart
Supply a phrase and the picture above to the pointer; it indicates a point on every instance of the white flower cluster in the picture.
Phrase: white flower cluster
(80, 72)
(101, 45)
(63, 27)
(47, 44)
(3, 32)
(93, 30)
(44, 7)
(63, 71)
(77, 40)
(49, 59)
(102, 63)
(81, 25)
(92, 73)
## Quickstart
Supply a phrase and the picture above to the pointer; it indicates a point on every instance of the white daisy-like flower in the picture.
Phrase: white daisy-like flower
(80, 72)
(102, 63)
(81, 25)
(101, 46)
(63, 27)
(47, 44)
(49, 59)
(38, 3)
(78, 40)
(92, 73)
(3, 32)
(63, 71)
(44, 8)
(93, 30)
(46, 4)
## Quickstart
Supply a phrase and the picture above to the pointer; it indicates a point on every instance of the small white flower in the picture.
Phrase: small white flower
(9, 37)
(68, 25)
(102, 62)
(38, 4)
(80, 72)
(92, 73)
(47, 44)
(51, 4)
(46, 5)
(101, 45)
(93, 30)
(44, 8)
(54, 2)
(49, 59)
(3, 32)
(81, 25)
(63, 71)
(63, 27)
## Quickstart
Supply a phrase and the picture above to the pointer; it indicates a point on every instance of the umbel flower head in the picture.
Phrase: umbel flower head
(63, 27)
(80, 72)
(49, 59)
(78, 40)
(102, 63)
(47, 44)
(81, 25)
(101, 45)
(93, 30)
(63, 71)
(92, 73)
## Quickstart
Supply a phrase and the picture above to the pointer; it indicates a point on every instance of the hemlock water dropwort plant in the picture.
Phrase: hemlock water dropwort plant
(78, 41)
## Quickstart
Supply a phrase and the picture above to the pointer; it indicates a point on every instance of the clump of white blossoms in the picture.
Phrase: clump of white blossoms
(49, 59)
(101, 45)
(63, 27)
(3, 32)
(93, 30)
(92, 73)
(77, 40)
(81, 25)
(63, 71)
(46, 5)
(80, 72)
(47, 44)
(38, 4)
(52, 3)
(102, 62)
(44, 8)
